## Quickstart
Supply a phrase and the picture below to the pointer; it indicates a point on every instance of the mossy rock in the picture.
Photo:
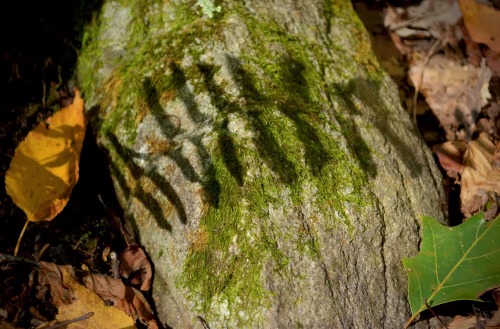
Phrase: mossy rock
(263, 158)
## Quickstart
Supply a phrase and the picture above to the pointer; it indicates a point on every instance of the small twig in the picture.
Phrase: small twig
(115, 265)
(418, 85)
(44, 92)
(411, 21)
(65, 323)
(434, 314)
(42, 251)
(6, 258)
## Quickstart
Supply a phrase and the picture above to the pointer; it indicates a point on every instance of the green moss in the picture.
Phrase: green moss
(216, 273)
(284, 110)
(282, 104)
(87, 64)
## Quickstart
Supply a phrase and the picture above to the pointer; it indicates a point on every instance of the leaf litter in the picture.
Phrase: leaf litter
(136, 267)
(452, 51)
(74, 293)
(460, 86)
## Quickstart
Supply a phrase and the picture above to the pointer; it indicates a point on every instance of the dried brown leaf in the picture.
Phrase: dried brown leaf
(495, 160)
(454, 92)
(74, 300)
(136, 267)
(427, 19)
(462, 322)
(125, 299)
(494, 322)
(450, 157)
(479, 175)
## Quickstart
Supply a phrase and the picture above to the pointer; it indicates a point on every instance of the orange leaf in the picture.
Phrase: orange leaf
(44, 169)
(481, 22)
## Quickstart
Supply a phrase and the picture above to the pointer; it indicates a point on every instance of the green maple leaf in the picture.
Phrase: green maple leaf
(454, 263)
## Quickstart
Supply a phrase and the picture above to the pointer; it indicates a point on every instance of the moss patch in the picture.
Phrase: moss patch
(292, 143)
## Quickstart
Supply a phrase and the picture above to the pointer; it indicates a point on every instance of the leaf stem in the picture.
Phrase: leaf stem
(434, 313)
(20, 237)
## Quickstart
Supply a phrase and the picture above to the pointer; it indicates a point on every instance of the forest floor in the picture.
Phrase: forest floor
(452, 111)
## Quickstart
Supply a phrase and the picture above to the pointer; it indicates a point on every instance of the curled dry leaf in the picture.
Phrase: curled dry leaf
(44, 169)
(479, 175)
(455, 93)
(136, 267)
(450, 157)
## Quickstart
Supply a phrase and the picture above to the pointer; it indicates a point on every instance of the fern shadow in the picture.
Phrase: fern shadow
(369, 91)
(299, 107)
(266, 143)
(355, 142)
(127, 156)
(178, 81)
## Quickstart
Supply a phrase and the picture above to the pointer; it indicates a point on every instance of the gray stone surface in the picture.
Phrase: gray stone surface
(264, 160)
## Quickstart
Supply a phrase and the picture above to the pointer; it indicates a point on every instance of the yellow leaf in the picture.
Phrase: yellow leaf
(83, 301)
(44, 169)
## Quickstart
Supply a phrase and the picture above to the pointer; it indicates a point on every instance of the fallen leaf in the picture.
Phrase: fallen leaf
(455, 93)
(454, 263)
(6, 325)
(74, 300)
(494, 322)
(481, 22)
(475, 54)
(124, 298)
(136, 267)
(493, 60)
(479, 175)
(462, 322)
(450, 157)
(495, 160)
(44, 169)
(429, 18)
